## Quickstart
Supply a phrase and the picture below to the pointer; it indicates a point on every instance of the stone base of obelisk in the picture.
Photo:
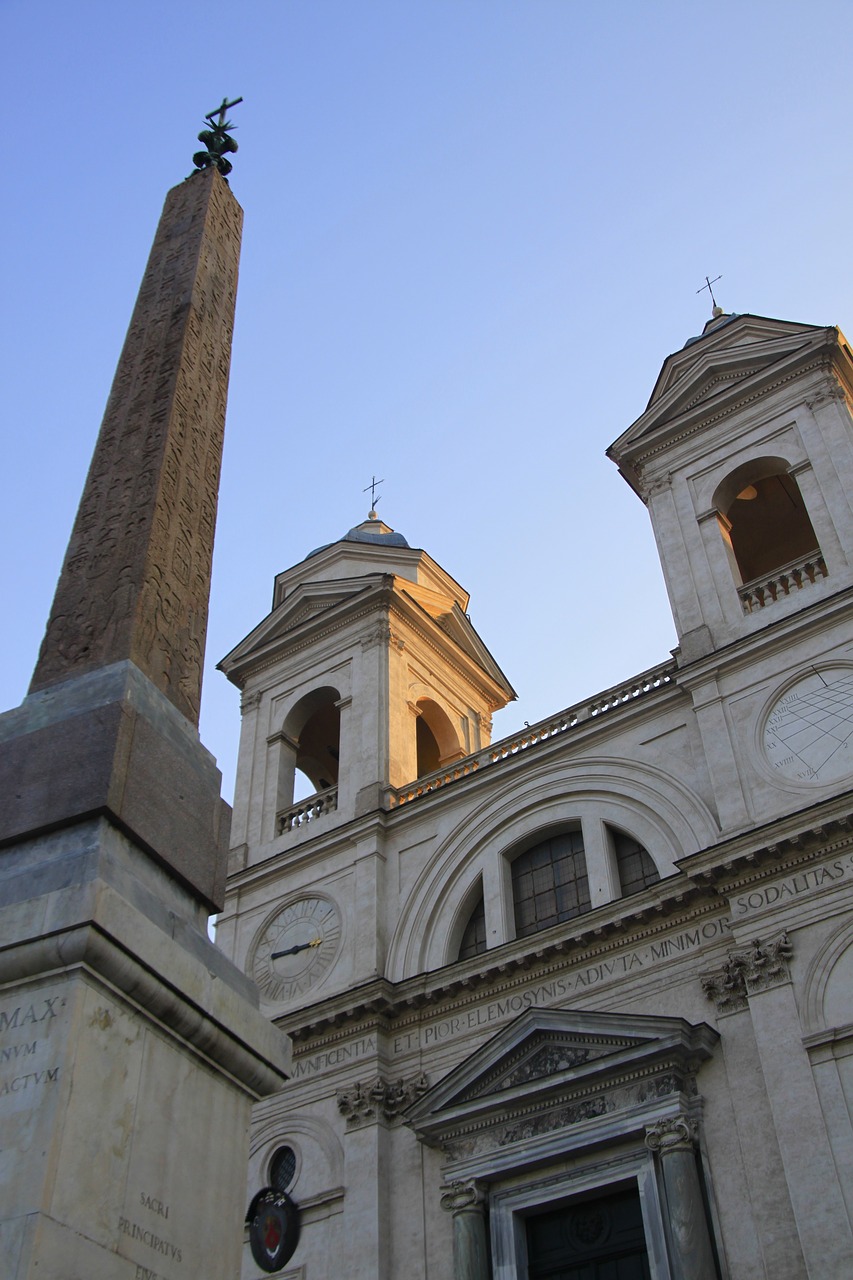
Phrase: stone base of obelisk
(131, 1050)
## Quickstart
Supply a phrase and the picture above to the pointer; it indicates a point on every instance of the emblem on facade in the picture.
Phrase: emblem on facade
(273, 1220)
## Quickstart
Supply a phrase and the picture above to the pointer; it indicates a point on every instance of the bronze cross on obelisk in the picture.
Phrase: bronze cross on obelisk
(222, 108)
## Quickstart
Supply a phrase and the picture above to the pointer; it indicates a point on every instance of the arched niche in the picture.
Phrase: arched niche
(310, 745)
(763, 519)
(436, 739)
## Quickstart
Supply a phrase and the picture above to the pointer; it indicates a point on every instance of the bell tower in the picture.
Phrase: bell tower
(367, 674)
(744, 457)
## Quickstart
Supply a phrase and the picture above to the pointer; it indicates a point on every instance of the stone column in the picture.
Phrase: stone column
(673, 1141)
(466, 1200)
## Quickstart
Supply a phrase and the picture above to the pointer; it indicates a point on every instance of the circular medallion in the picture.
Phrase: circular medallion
(273, 1229)
(295, 947)
(808, 733)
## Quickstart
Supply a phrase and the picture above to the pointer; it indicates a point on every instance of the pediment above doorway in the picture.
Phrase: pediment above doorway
(563, 1076)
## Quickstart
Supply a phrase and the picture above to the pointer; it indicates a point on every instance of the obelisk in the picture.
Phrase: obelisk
(130, 1049)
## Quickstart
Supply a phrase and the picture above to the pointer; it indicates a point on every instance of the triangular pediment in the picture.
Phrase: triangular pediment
(308, 604)
(455, 624)
(562, 1062)
(722, 365)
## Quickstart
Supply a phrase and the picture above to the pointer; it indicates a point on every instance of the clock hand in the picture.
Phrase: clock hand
(292, 951)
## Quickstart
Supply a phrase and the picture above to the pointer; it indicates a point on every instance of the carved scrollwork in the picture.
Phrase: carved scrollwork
(250, 701)
(762, 965)
(831, 390)
(378, 634)
(675, 1133)
(363, 1103)
(463, 1195)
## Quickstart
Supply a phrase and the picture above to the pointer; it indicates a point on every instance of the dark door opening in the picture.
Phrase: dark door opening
(592, 1239)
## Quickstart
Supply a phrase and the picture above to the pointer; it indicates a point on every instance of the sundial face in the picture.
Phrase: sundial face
(808, 734)
(307, 931)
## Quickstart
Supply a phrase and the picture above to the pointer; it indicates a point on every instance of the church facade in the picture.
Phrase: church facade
(577, 1001)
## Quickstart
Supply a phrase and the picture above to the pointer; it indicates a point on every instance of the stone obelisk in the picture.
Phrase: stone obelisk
(130, 1049)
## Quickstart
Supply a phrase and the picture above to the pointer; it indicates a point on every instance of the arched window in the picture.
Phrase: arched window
(549, 883)
(474, 938)
(636, 868)
(763, 519)
(436, 739)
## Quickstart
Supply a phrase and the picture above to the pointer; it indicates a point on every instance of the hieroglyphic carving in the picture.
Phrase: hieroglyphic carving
(764, 964)
(136, 577)
(361, 1103)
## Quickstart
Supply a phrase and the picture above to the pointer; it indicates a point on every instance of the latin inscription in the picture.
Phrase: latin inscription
(334, 1057)
(19, 1076)
(573, 982)
(150, 1238)
(796, 886)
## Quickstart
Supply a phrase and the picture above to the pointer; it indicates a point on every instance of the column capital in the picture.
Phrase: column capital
(761, 965)
(675, 1133)
(463, 1194)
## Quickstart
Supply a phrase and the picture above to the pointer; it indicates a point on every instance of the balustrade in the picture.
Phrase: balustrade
(307, 810)
(533, 735)
(791, 577)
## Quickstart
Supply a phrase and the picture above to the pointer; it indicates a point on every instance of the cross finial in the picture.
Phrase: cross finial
(217, 140)
(707, 285)
(223, 107)
(373, 486)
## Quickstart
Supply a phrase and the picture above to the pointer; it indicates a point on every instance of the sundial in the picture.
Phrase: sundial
(808, 735)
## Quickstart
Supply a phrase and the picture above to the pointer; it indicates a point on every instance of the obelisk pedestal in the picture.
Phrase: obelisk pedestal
(131, 1050)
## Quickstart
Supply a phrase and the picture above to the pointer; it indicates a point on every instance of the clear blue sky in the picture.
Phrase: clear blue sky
(474, 229)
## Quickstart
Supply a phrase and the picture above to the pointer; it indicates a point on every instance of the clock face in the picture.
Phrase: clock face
(295, 948)
(808, 736)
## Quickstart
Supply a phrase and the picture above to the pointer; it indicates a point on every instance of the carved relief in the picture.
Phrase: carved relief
(764, 964)
(380, 634)
(564, 1116)
(362, 1103)
(675, 1133)
(463, 1194)
(831, 390)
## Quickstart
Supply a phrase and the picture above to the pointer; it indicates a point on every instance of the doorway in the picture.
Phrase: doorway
(597, 1238)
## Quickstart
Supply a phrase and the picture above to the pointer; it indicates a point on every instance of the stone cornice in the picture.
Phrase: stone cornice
(665, 435)
(87, 947)
(686, 900)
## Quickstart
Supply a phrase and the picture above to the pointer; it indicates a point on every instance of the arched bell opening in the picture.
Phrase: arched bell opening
(310, 751)
(436, 740)
(763, 520)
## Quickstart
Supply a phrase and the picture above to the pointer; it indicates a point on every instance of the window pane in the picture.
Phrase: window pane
(636, 869)
(549, 883)
(474, 937)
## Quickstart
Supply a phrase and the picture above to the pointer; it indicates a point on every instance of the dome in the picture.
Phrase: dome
(371, 530)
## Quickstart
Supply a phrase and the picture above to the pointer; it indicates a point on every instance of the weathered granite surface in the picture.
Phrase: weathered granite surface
(136, 576)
